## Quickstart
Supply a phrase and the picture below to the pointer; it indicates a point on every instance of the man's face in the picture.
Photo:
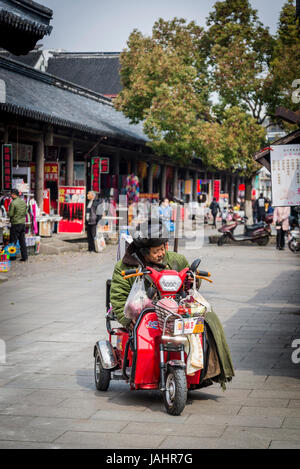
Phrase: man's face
(90, 196)
(156, 254)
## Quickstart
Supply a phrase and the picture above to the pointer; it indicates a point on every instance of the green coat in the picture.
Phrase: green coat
(120, 289)
(17, 211)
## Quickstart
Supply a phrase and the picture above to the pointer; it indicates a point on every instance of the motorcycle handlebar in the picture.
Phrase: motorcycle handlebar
(203, 273)
(129, 272)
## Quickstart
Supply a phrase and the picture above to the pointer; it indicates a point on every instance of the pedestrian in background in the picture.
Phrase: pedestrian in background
(281, 221)
(260, 208)
(92, 219)
(215, 208)
(165, 213)
(17, 214)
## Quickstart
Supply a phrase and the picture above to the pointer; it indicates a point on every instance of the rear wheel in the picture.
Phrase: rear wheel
(221, 240)
(102, 376)
(175, 395)
(263, 241)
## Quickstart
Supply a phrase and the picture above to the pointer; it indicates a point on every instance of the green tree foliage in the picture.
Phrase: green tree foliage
(165, 85)
(239, 50)
(168, 79)
(285, 64)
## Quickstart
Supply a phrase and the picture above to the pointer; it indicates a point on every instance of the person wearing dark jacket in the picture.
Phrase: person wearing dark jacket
(260, 208)
(17, 214)
(91, 220)
(215, 208)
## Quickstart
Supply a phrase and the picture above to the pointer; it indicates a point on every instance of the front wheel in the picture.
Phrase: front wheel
(263, 241)
(294, 245)
(175, 395)
(102, 376)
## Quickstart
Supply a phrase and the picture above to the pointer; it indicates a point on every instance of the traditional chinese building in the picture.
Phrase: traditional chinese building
(22, 24)
(64, 116)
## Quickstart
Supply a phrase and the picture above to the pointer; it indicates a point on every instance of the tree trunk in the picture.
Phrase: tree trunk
(248, 200)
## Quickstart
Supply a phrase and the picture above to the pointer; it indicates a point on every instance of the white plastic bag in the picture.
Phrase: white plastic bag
(137, 300)
(195, 298)
(99, 243)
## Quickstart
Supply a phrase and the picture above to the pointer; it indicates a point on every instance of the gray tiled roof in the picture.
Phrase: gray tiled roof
(44, 97)
(96, 71)
(26, 15)
(29, 59)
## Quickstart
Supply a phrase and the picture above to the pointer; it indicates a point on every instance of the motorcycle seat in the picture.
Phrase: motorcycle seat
(255, 226)
(229, 226)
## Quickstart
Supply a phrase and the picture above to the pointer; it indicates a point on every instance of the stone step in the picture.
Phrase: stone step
(3, 278)
(57, 246)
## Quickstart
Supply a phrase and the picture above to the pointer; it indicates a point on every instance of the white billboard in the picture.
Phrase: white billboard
(285, 171)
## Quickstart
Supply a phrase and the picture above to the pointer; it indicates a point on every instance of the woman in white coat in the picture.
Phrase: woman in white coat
(281, 221)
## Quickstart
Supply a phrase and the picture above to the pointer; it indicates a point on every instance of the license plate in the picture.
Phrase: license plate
(191, 326)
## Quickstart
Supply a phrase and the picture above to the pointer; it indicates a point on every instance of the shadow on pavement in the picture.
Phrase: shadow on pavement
(260, 335)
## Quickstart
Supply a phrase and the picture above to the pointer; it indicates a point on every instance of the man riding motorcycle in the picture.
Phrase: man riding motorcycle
(150, 245)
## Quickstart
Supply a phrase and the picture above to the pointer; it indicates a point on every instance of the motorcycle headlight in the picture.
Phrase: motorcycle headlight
(170, 282)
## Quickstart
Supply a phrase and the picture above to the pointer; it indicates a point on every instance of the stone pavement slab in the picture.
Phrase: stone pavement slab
(52, 312)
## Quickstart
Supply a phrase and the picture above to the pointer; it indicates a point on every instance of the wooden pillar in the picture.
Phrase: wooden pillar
(134, 167)
(6, 135)
(163, 181)
(236, 192)
(175, 182)
(195, 186)
(150, 179)
(226, 181)
(70, 164)
(39, 176)
(231, 190)
(116, 164)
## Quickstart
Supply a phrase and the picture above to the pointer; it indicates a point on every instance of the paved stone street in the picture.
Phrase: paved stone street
(52, 312)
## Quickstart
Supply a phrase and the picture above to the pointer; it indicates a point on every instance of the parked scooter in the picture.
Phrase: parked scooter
(294, 242)
(257, 233)
(152, 356)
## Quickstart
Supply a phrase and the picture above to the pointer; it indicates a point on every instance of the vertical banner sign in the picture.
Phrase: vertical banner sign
(71, 209)
(6, 167)
(198, 186)
(104, 165)
(217, 187)
(285, 173)
(51, 172)
(95, 174)
(188, 186)
(46, 201)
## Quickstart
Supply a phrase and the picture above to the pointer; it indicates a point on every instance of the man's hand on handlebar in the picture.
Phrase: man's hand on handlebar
(132, 324)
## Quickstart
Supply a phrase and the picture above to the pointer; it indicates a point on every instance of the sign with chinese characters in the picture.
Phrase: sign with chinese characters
(217, 187)
(6, 167)
(71, 203)
(188, 184)
(51, 172)
(46, 201)
(104, 165)
(95, 174)
(285, 173)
